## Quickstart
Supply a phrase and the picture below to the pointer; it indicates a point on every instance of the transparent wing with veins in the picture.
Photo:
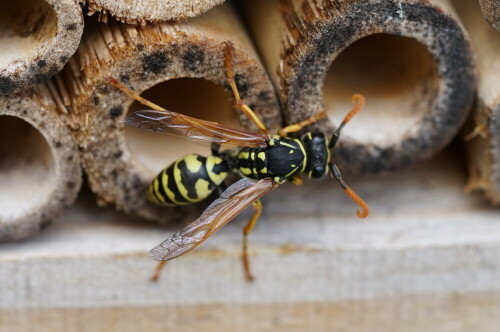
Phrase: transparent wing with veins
(196, 130)
(232, 202)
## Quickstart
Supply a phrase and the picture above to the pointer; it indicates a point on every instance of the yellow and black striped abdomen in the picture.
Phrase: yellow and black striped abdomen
(190, 179)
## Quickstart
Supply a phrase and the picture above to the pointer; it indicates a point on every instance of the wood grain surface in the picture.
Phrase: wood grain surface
(428, 258)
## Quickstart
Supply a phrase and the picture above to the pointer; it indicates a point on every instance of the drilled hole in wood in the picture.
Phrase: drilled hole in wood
(194, 97)
(25, 28)
(397, 76)
(26, 168)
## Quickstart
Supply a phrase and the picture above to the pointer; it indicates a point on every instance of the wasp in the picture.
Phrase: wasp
(262, 160)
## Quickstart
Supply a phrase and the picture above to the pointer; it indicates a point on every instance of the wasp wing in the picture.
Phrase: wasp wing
(196, 130)
(235, 199)
(159, 119)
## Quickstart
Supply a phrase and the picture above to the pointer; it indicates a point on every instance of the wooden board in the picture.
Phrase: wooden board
(428, 258)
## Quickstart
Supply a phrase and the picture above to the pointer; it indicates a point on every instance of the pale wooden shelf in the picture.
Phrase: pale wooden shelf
(428, 258)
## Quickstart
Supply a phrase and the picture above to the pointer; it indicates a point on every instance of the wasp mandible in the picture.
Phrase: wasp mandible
(262, 160)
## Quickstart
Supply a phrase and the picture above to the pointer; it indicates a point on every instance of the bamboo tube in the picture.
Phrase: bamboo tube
(182, 68)
(142, 11)
(410, 59)
(40, 170)
(491, 11)
(37, 38)
(483, 142)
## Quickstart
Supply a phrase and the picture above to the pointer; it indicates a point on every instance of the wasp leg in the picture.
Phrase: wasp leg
(221, 188)
(135, 96)
(297, 180)
(349, 192)
(475, 182)
(228, 55)
(293, 128)
(158, 269)
(215, 149)
(360, 101)
(479, 130)
(257, 205)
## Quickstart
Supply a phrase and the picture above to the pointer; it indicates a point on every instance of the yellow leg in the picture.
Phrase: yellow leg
(257, 205)
(293, 128)
(297, 180)
(228, 55)
(475, 181)
(158, 269)
(135, 96)
(479, 130)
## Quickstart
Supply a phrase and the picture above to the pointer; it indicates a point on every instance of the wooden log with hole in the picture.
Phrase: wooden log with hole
(410, 59)
(37, 38)
(142, 11)
(40, 172)
(182, 68)
(491, 11)
(483, 134)
(421, 263)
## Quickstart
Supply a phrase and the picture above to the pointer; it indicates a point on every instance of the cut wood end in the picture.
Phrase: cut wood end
(483, 153)
(482, 131)
(38, 37)
(415, 102)
(180, 67)
(491, 11)
(149, 10)
(39, 169)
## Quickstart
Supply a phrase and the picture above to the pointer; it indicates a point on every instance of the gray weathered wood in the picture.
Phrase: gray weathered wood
(179, 66)
(40, 171)
(491, 11)
(142, 11)
(483, 134)
(427, 258)
(37, 38)
(411, 60)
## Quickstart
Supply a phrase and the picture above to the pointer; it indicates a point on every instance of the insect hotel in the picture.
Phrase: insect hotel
(159, 163)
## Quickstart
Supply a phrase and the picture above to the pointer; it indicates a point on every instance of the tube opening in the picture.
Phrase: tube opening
(26, 168)
(399, 79)
(25, 28)
(194, 97)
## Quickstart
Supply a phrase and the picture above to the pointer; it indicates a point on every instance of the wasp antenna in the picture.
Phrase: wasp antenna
(158, 269)
(363, 213)
(349, 192)
(360, 102)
